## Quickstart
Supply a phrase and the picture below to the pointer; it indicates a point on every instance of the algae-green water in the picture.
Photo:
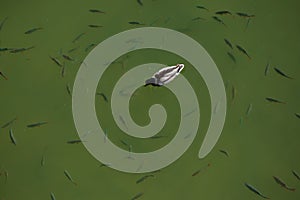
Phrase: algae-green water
(261, 142)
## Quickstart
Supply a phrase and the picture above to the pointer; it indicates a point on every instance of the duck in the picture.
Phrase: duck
(164, 75)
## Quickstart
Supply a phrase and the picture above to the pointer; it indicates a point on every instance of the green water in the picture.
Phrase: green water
(263, 144)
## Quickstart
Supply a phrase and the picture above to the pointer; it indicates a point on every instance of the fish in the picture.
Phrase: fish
(78, 37)
(56, 61)
(67, 174)
(9, 123)
(12, 137)
(3, 22)
(137, 196)
(281, 73)
(158, 136)
(231, 56)
(144, 178)
(135, 23)
(94, 26)
(74, 141)
(33, 30)
(73, 49)
(197, 18)
(296, 174)
(249, 109)
(247, 24)
(202, 7)
(67, 57)
(52, 196)
(38, 124)
(245, 15)
(233, 93)
(253, 189)
(140, 2)
(21, 49)
(104, 165)
(243, 51)
(63, 71)
(282, 184)
(267, 68)
(1, 74)
(224, 152)
(89, 47)
(199, 170)
(223, 12)
(164, 75)
(69, 90)
(5, 49)
(219, 20)
(103, 95)
(228, 43)
(272, 100)
(297, 115)
(96, 11)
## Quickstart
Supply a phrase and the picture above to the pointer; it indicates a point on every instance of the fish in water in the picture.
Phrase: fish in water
(94, 26)
(52, 196)
(21, 49)
(67, 174)
(223, 12)
(231, 56)
(228, 43)
(1, 74)
(267, 68)
(74, 141)
(281, 73)
(197, 18)
(249, 109)
(9, 123)
(253, 189)
(219, 20)
(272, 100)
(199, 170)
(165, 75)
(33, 30)
(36, 124)
(67, 57)
(297, 115)
(103, 96)
(224, 152)
(12, 137)
(3, 22)
(282, 184)
(78, 37)
(202, 7)
(96, 11)
(69, 90)
(89, 47)
(135, 23)
(241, 49)
(245, 15)
(144, 178)
(56, 61)
(137, 196)
(296, 174)
(140, 2)
(5, 49)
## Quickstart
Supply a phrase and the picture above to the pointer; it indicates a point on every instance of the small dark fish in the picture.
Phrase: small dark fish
(140, 2)
(296, 175)
(243, 51)
(56, 61)
(63, 71)
(21, 49)
(78, 37)
(249, 109)
(124, 143)
(94, 26)
(267, 69)
(52, 196)
(272, 100)
(38, 124)
(73, 49)
(202, 7)
(1, 74)
(224, 152)
(74, 141)
(219, 20)
(104, 165)
(231, 56)
(281, 73)
(33, 30)
(233, 93)
(144, 178)
(3, 22)
(223, 12)
(282, 184)
(67, 174)
(9, 123)
(69, 90)
(253, 189)
(103, 95)
(197, 18)
(89, 47)
(228, 43)
(245, 15)
(67, 57)
(5, 49)
(135, 23)
(96, 11)
(199, 170)
(137, 196)
(297, 115)
(12, 137)
(158, 136)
